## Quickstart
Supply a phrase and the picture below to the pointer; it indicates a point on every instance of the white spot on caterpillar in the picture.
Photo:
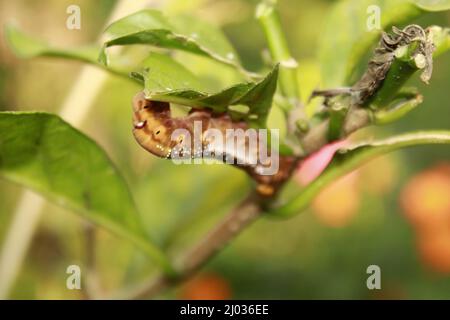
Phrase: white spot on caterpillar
(140, 124)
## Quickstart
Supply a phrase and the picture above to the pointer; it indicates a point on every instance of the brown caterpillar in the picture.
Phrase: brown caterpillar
(155, 128)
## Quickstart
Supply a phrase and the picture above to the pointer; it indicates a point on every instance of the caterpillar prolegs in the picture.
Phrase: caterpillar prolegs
(205, 134)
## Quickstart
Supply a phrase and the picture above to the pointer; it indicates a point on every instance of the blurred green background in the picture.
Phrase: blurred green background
(366, 218)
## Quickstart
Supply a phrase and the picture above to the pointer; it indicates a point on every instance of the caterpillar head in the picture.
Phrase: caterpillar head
(153, 126)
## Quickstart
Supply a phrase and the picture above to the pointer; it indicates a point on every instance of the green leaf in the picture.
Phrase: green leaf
(42, 152)
(166, 72)
(433, 5)
(349, 159)
(346, 38)
(162, 73)
(182, 33)
(256, 95)
(28, 47)
(25, 46)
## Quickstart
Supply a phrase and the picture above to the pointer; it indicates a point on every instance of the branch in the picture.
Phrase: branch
(317, 137)
(242, 216)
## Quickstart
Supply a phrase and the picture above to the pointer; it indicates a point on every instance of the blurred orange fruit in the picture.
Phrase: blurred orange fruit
(338, 203)
(379, 175)
(426, 199)
(434, 249)
(206, 287)
(426, 203)
(444, 168)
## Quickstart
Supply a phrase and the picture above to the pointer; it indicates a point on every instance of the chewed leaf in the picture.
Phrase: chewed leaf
(351, 30)
(42, 152)
(406, 65)
(256, 95)
(182, 33)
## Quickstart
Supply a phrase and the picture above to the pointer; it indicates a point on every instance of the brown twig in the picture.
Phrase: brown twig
(232, 225)
(239, 218)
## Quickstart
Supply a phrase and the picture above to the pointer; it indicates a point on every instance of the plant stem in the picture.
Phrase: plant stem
(232, 225)
(318, 136)
(269, 19)
(238, 219)
(351, 158)
(399, 73)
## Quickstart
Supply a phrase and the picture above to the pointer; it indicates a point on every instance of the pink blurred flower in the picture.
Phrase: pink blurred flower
(313, 166)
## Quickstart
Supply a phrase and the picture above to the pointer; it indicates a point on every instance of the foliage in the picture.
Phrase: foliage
(34, 149)
(44, 153)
